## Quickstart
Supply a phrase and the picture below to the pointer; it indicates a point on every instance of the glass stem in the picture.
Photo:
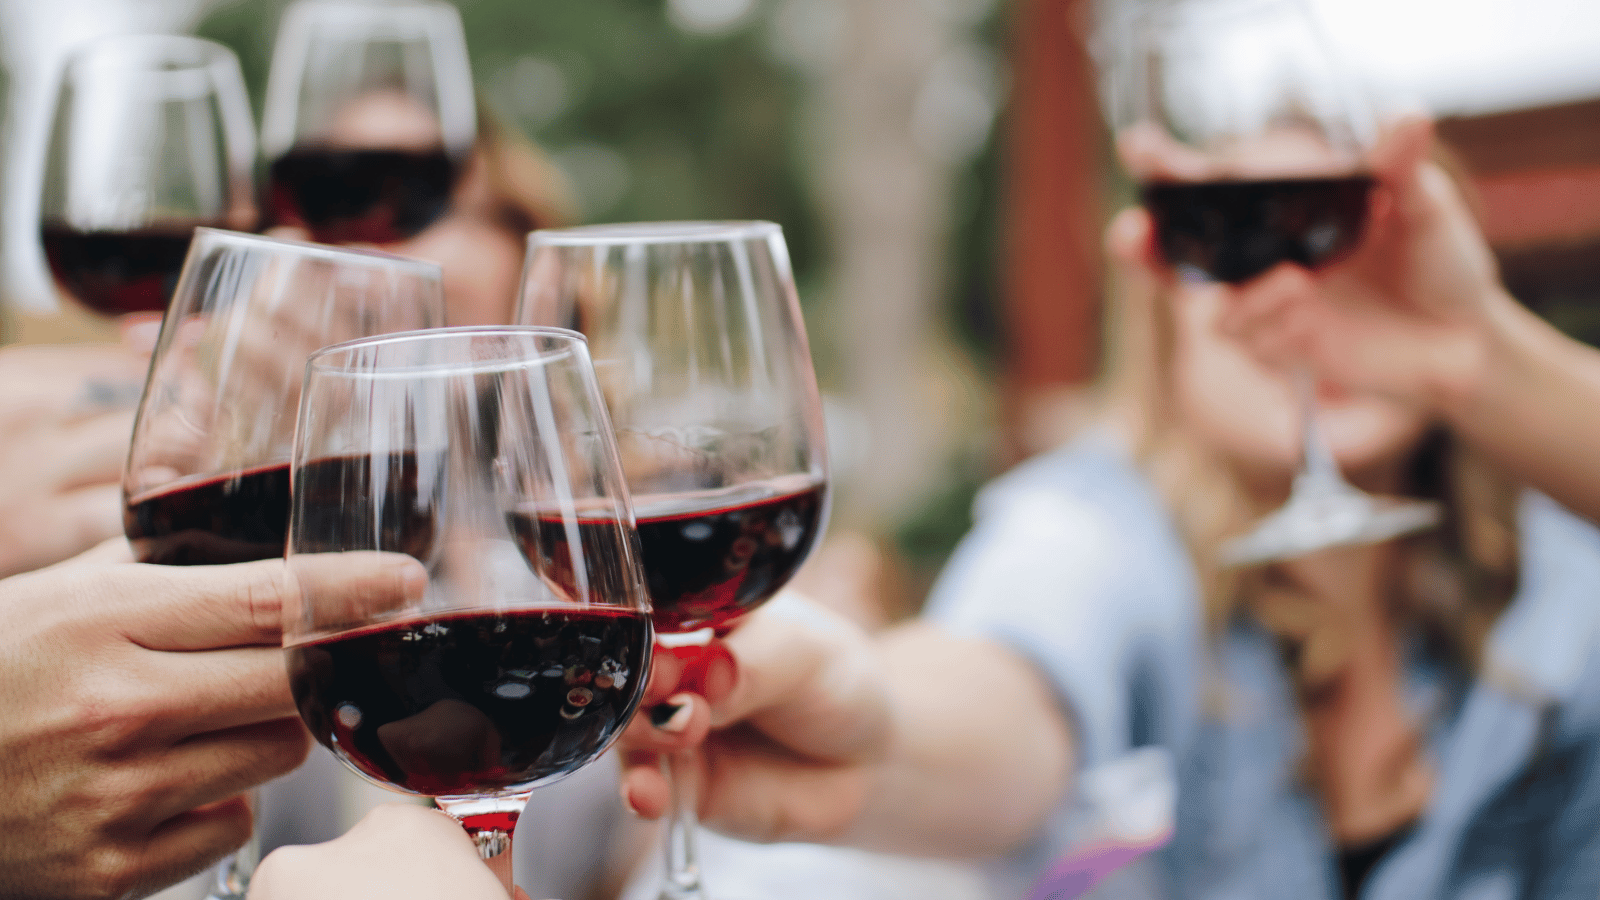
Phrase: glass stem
(683, 827)
(1318, 470)
(233, 873)
(490, 821)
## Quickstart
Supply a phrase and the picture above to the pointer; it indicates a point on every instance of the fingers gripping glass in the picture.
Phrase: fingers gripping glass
(702, 355)
(484, 458)
(369, 118)
(207, 478)
(1249, 143)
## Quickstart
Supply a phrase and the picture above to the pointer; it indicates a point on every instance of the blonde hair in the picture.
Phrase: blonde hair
(525, 190)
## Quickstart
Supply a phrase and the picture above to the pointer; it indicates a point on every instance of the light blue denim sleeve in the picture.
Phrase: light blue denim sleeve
(1073, 564)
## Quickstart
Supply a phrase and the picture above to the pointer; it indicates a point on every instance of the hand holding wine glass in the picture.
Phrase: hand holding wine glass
(152, 138)
(1410, 308)
(141, 702)
(702, 354)
(1252, 147)
(486, 455)
(207, 476)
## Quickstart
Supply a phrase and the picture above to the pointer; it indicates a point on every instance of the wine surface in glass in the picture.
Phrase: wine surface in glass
(361, 196)
(709, 557)
(474, 702)
(1235, 230)
(117, 272)
(233, 518)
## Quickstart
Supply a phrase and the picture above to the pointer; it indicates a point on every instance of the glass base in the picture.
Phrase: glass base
(1313, 521)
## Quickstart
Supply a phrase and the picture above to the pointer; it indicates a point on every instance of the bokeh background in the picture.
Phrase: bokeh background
(940, 170)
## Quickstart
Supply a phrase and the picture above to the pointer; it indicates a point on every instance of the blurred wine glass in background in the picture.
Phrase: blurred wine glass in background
(152, 138)
(369, 118)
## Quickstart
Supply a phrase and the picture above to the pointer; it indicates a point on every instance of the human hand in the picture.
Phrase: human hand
(800, 718)
(141, 702)
(65, 416)
(398, 852)
(1409, 314)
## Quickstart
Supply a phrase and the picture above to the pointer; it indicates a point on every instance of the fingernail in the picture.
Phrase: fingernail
(627, 800)
(673, 715)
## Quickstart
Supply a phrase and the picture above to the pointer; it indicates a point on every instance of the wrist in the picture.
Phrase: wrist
(1499, 353)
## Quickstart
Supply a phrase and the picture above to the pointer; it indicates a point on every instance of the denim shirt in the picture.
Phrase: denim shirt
(1075, 564)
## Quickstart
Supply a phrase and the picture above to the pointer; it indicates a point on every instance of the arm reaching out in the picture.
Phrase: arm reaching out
(915, 741)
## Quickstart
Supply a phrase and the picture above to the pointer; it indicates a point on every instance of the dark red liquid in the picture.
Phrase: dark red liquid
(1235, 230)
(474, 703)
(117, 272)
(234, 518)
(360, 196)
(245, 516)
(707, 562)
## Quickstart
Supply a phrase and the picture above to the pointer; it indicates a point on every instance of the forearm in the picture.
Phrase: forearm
(980, 752)
(1529, 399)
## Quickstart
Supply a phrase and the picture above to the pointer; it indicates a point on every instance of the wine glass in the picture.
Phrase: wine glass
(152, 137)
(700, 349)
(207, 479)
(484, 454)
(369, 118)
(1249, 143)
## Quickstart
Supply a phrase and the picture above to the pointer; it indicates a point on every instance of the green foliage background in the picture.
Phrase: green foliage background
(706, 127)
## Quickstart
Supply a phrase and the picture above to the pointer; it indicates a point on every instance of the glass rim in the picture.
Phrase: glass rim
(207, 53)
(366, 256)
(380, 10)
(318, 362)
(668, 232)
(1217, 10)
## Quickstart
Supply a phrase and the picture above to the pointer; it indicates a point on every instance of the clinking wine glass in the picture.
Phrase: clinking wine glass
(701, 352)
(369, 118)
(207, 479)
(486, 456)
(1249, 144)
(152, 137)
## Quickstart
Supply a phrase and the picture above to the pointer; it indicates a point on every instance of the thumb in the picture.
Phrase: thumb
(1397, 159)
(177, 608)
(807, 678)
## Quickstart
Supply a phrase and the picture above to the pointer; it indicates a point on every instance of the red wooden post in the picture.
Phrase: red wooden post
(1053, 216)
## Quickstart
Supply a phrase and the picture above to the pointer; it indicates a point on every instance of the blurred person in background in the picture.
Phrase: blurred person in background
(507, 188)
(1409, 719)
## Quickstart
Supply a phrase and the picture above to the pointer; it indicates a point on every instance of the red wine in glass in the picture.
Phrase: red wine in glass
(117, 272)
(474, 702)
(211, 521)
(245, 516)
(709, 557)
(360, 196)
(1233, 231)
(488, 678)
